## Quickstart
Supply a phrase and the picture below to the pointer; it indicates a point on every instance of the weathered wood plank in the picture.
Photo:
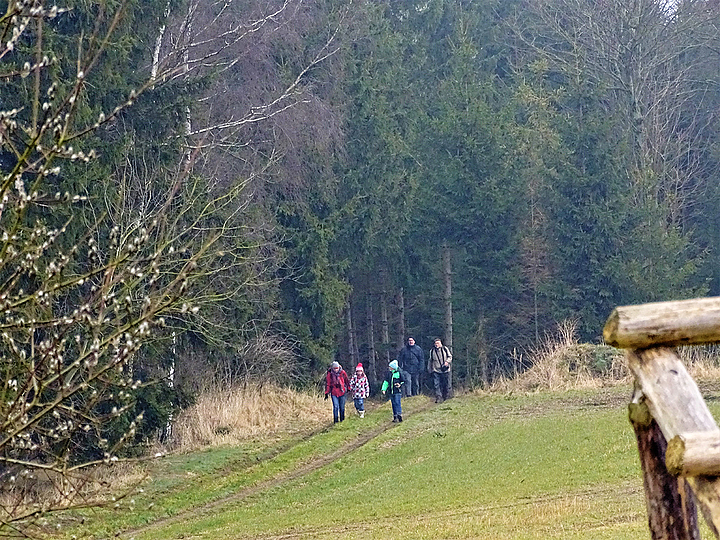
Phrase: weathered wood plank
(677, 406)
(673, 398)
(672, 514)
(694, 454)
(681, 322)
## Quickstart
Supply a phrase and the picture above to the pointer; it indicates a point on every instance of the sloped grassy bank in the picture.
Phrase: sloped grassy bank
(542, 465)
(547, 454)
(179, 484)
(538, 466)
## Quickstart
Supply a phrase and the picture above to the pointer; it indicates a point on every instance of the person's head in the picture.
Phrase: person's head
(335, 366)
(411, 341)
(393, 365)
(359, 369)
(438, 343)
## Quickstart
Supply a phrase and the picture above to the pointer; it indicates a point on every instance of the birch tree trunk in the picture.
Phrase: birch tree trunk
(186, 71)
(158, 43)
(178, 366)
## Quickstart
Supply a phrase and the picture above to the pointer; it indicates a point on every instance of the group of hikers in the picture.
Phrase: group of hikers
(402, 377)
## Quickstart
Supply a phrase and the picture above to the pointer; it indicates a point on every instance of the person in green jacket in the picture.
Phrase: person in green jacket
(393, 383)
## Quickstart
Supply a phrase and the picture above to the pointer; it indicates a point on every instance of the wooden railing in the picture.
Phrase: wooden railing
(678, 439)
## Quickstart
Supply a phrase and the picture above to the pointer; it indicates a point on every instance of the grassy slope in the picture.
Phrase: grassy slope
(550, 465)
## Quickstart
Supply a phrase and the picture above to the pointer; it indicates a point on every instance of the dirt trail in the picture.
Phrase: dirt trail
(310, 466)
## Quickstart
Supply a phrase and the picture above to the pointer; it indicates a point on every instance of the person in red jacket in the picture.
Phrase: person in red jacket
(336, 386)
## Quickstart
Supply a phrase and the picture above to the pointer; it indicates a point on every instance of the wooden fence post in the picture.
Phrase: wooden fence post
(672, 514)
(668, 406)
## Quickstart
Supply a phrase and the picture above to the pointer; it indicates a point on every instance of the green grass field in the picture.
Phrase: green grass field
(546, 465)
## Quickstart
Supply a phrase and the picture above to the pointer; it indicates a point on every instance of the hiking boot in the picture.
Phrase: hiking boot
(395, 419)
(399, 417)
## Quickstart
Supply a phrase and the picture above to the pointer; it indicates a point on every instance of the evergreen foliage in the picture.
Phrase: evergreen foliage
(312, 158)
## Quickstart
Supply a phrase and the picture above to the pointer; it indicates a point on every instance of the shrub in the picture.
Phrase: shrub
(560, 362)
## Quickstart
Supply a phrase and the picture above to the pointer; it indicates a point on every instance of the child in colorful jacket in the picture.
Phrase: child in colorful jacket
(360, 388)
(394, 382)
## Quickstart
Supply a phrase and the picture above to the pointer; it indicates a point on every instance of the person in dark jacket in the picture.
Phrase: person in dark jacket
(411, 359)
(337, 384)
(393, 384)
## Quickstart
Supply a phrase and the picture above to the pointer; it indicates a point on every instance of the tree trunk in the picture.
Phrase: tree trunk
(186, 71)
(385, 335)
(481, 370)
(372, 368)
(485, 370)
(401, 318)
(351, 336)
(470, 366)
(447, 296)
(158, 43)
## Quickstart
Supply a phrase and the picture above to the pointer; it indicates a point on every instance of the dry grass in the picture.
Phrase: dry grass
(217, 418)
(703, 362)
(560, 362)
(221, 417)
(50, 491)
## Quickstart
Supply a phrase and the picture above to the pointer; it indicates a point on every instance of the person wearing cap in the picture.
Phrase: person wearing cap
(336, 386)
(411, 359)
(393, 383)
(360, 388)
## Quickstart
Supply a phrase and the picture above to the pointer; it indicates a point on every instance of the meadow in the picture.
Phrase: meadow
(543, 465)
(522, 460)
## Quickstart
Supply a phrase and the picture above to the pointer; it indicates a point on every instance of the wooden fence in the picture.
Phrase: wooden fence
(678, 439)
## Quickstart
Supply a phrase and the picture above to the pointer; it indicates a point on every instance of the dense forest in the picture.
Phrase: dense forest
(200, 193)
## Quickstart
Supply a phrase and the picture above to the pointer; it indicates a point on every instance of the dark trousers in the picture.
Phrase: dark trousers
(414, 380)
(443, 384)
(407, 386)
